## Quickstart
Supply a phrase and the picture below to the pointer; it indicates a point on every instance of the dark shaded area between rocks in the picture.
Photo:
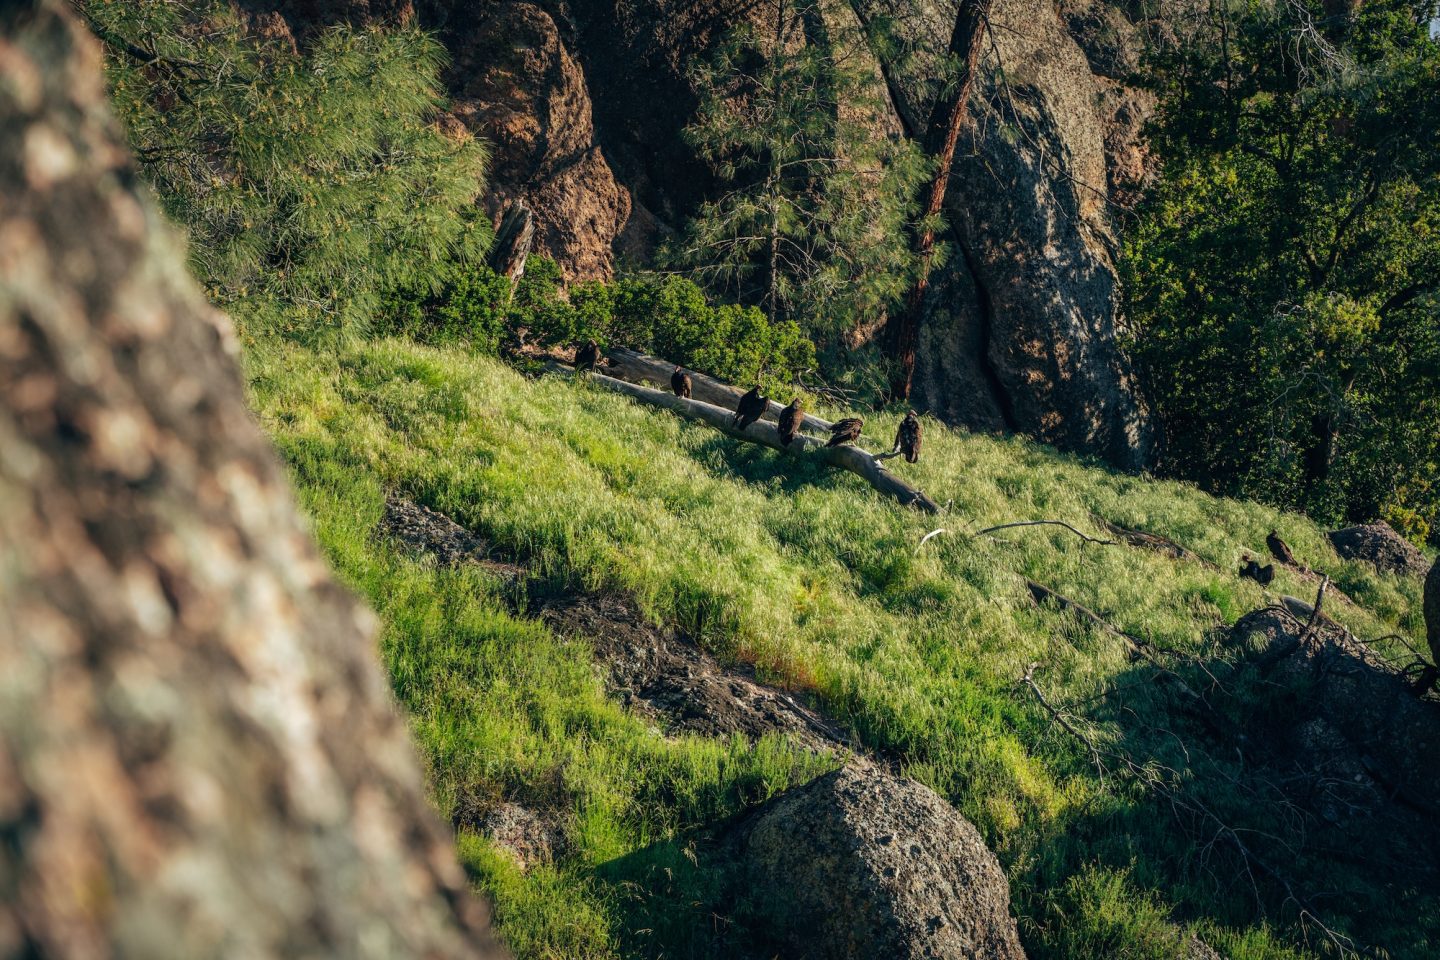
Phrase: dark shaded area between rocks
(1350, 746)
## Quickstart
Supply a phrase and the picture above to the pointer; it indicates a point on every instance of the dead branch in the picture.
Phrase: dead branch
(1038, 523)
(853, 459)
(1153, 541)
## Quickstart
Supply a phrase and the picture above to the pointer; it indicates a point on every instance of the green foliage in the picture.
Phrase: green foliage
(1285, 277)
(469, 307)
(810, 576)
(311, 183)
(813, 221)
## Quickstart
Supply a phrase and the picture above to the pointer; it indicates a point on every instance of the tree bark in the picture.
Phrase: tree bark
(199, 755)
(513, 241)
(948, 116)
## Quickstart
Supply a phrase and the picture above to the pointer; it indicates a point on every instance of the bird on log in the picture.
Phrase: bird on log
(790, 419)
(680, 382)
(752, 407)
(587, 356)
(907, 438)
(845, 431)
(1261, 575)
(1280, 550)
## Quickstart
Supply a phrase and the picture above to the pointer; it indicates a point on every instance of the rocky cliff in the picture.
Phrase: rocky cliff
(584, 104)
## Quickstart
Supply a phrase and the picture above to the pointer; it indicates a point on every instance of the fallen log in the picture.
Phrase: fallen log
(857, 461)
(1153, 541)
(639, 368)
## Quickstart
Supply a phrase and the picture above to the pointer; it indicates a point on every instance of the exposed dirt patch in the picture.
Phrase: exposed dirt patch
(429, 531)
(665, 675)
(651, 669)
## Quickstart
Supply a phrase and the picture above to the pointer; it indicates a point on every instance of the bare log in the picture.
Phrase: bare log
(640, 368)
(513, 239)
(853, 459)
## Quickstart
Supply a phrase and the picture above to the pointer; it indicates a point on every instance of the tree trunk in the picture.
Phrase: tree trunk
(199, 755)
(948, 116)
(513, 241)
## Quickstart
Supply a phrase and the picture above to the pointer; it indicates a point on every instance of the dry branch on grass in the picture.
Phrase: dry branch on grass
(1153, 541)
(1041, 523)
(765, 433)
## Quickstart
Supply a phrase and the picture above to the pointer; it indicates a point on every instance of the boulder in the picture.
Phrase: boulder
(1380, 545)
(861, 863)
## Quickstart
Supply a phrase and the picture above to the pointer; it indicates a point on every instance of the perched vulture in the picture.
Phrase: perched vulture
(907, 438)
(1432, 611)
(680, 383)
(1261, 575)
(751, 407)
(845, 431)
(1280, 550)
(587, 356)
(790, 419)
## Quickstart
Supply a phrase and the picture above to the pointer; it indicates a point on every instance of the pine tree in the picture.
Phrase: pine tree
(812, 224)
(310, 181)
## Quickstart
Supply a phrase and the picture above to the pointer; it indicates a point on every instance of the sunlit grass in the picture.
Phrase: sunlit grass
(819, 581)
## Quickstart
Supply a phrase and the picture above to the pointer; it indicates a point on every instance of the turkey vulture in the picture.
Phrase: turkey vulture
(587, 356)
(680, 383)
(1261, 575)
(1280, 550)
(845, 431)
(907, 438)
(790, 419)
(751, 407)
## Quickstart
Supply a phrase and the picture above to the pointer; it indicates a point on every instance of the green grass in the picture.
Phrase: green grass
(821, 583)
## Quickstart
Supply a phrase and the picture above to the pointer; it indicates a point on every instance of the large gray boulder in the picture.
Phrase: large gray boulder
(860, 863)
(1380, 545)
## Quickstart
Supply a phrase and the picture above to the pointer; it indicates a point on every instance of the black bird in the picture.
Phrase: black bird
(907, 438)
(845, 431)
(587, 356)
(751, 407)
(1280, 550)
(790, 419)
(1261, 575)
(680, 383)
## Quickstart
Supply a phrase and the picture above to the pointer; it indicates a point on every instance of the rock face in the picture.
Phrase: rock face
(199, 755)
(859, 863)
(516, 84)
(1021, 331)
(1379, 544)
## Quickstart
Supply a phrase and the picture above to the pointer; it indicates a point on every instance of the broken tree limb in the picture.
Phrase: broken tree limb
(640, 368)
(853, 459)
(1153, 541)
(1042, 523)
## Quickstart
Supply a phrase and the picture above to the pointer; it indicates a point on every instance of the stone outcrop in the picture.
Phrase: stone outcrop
(199, 755)
(515, 83)
(1380, 545)
(1021, 334)
(861, 863)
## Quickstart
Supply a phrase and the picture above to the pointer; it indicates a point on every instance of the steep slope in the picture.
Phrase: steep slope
(585, 104)
(915, 650)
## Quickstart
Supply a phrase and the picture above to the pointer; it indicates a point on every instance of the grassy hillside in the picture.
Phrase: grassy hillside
(822, 585)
